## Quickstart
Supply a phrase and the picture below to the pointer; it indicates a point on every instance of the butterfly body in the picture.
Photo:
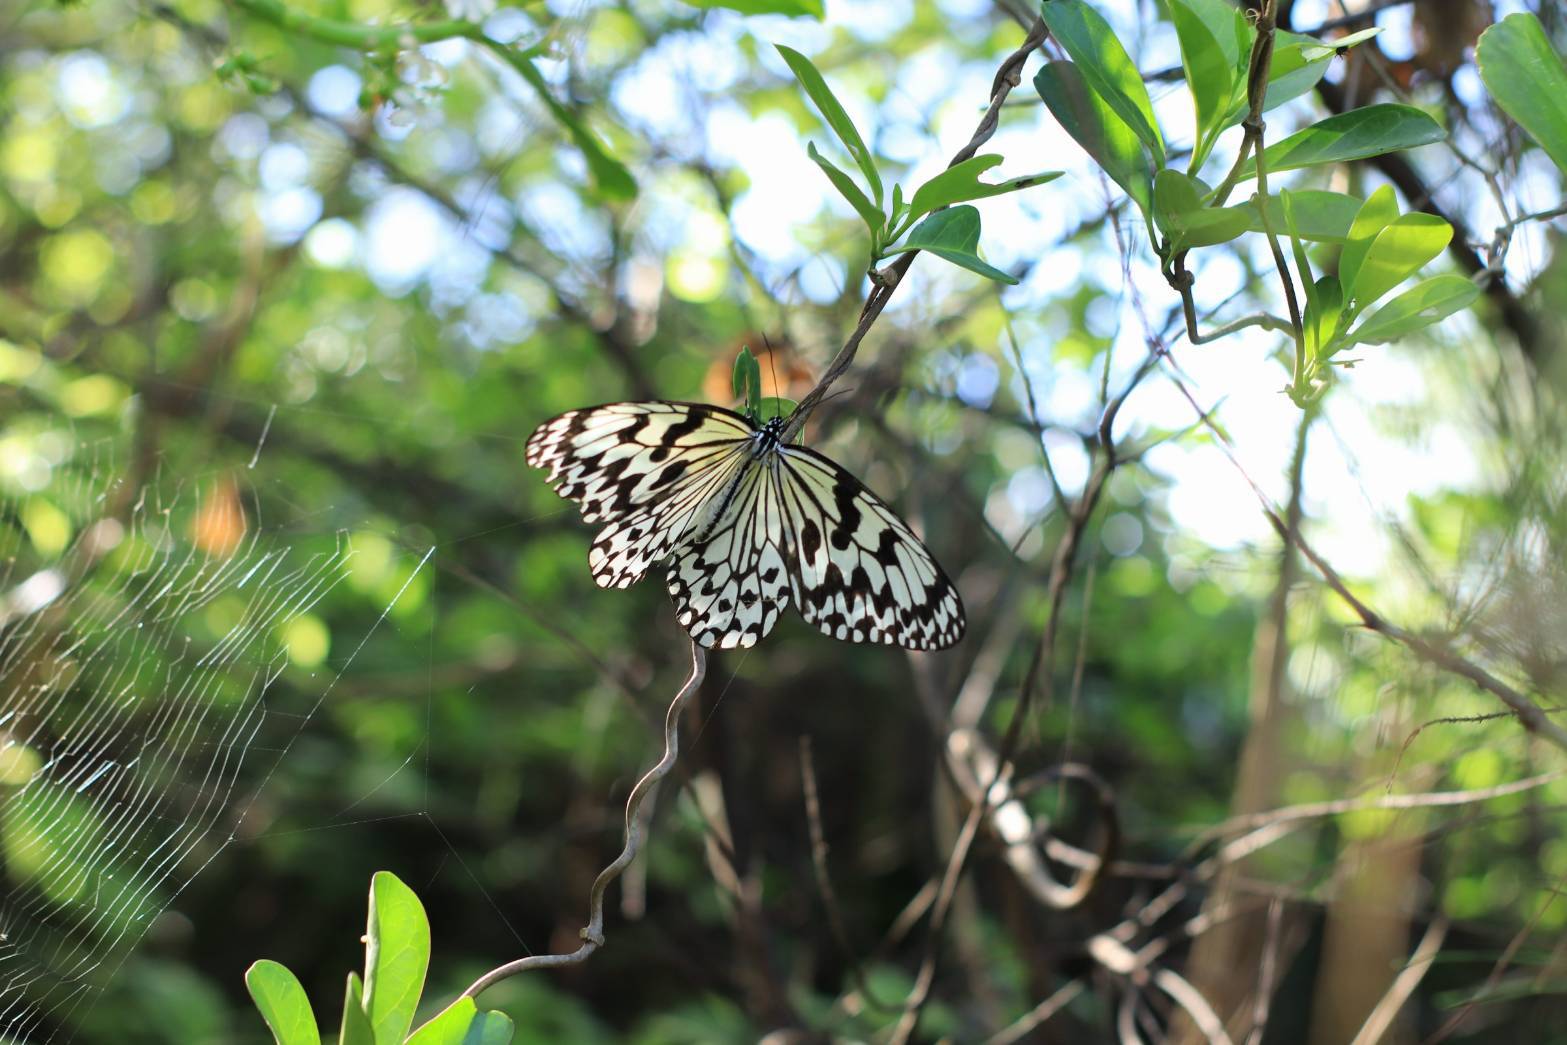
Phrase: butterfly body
(745, 525)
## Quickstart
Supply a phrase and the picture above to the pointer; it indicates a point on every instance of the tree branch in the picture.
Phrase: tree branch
(593, 932)
(1008, 76)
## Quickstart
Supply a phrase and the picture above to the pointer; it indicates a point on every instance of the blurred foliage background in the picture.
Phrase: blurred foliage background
(266, 298)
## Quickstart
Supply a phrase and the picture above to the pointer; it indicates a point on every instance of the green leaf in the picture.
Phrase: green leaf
(1320, 216)
(748, 381)
(1210, 33)
(1299, 63)
(1096, 127)
(356, 1028)
(1354, 135)
(1429, 301)
(769, 407)
(793, 8)
(1179, 212)
(461, 1023)
(1314, 49)
(1525, 75)
(868, 211)
(610, 176)
(1378, 212)
(1107, 68)
(283, 1004)
(960, 182)
(397, 953)
(1302, 263)
(1324, 310)
(953, 235)
(1397, 253)
(899, 208)
(821, 95)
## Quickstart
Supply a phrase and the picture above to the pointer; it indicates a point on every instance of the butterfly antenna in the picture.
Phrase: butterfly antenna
(771, 369)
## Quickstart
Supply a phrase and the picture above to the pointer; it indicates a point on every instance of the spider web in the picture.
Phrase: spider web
(139, 647)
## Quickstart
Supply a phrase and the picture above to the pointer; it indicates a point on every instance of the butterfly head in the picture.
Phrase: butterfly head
(770, 436)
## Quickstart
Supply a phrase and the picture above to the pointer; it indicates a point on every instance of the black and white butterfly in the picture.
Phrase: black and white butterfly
(745, 524)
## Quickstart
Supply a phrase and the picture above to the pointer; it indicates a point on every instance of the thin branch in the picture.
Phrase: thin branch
(1404, 985)
(885, 282)
(1529, 714)
(593, 933)
(1361, 17)
(1253, 822)
(1025, 1026)
(840, 931)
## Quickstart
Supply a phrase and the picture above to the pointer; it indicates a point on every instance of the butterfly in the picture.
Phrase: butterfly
(745, 524)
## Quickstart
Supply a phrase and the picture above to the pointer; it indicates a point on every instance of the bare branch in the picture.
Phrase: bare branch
(1404, 985)
(593, 932)
(1008, 76)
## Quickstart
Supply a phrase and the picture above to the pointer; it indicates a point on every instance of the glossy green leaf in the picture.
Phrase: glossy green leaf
(1211, 34)
(1299, 64)
(1526, 76)
(356, 1029)
(1096, 127)
(1324, 311)
(397, 953)
(1427, 302)
(283, 1004)
(461, 1023)
(837, 118)
(1320, 216)
(793, 8)
(1179, 212)
(610, 176)
(868, 211)
(1397, 253)
(960, 183)
(1106, 66)
(953, 235)
(1354, 135)
(1378, 212)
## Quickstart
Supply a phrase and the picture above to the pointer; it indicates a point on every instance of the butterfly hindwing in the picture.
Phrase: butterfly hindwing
(730, 586)
(860, 573)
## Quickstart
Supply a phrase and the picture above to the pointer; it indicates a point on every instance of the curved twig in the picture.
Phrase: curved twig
(593, 932)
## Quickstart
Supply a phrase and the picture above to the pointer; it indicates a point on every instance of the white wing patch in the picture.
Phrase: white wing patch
(861, 575)
(745, 525)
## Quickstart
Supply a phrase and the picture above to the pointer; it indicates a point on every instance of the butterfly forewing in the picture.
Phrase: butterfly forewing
(650, 471)
(745, 524)
(861, 574)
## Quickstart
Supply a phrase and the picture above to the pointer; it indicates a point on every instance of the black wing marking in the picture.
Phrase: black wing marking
(860, 574)
(731, 585)
(649, 470)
